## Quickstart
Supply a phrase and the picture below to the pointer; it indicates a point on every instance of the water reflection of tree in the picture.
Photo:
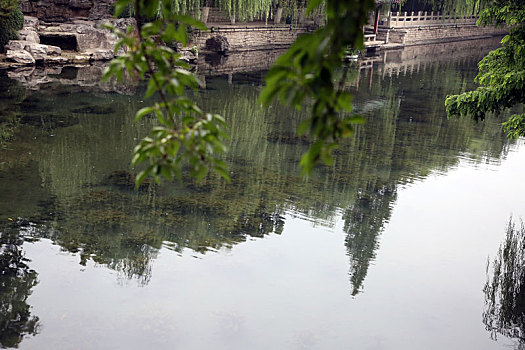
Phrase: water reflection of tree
(505, 288)
(363, 222)
(11, 94)
(16, 282)
(406, 136)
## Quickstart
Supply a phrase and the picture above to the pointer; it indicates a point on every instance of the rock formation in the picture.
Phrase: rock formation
(67, 10)
(69, 32)
(73, 42)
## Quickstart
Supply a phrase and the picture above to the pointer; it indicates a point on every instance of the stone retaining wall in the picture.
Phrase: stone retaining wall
(437, 33)
(252, 38)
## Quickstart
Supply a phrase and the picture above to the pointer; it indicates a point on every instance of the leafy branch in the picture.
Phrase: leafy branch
(306, 73)
(501, 73)
(186, 134)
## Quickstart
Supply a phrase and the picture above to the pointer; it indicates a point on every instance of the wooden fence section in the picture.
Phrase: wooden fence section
(420, 18)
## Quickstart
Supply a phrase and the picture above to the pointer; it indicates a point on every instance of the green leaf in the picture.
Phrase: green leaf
(142, 112)
(192, 22)
(151, 89)
(120, 6)
(142, 176)
(312, 5)
(222, 172)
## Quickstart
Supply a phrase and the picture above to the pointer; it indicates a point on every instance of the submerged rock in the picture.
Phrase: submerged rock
(48, 121)
(122, 178)
(94, 110)
(126, 180)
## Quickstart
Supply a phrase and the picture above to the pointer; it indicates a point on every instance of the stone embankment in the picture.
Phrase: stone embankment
(251, 37)
(71, 32)
(421, 28)
(441, 33)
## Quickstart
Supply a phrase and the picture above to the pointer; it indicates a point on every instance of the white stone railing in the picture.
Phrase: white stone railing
(422, 18)
(369, 37)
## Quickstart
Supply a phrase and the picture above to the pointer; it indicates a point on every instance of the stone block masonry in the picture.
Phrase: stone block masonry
(252, 37)
(441, 33)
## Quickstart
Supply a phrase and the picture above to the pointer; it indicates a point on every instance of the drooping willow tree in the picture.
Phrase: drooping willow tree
(459, 7)
(242, 10)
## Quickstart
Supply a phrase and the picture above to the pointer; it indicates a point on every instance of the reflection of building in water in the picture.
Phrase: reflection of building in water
(505, 288)
(416, 59)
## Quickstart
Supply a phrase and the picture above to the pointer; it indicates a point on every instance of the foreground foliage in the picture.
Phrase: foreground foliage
(186, 134)
(501, 72)
(306, 72)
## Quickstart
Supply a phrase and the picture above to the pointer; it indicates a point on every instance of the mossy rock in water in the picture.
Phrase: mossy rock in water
(48, 121)
(108, 218)
(94, 110)
(126, 180)
(100, 198)
(121, 178)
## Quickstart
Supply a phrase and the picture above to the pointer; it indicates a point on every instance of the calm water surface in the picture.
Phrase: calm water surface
(386, 249)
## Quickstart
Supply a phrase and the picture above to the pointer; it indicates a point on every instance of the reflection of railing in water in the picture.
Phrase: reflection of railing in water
(395, 69)
(415, 59)
(423, 18)
(411, 67)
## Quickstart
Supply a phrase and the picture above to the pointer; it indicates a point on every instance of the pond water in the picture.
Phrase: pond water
(386, 249)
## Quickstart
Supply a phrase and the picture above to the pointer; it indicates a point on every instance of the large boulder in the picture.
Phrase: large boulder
(218, 44)
(38, 51)
(53, 51)
(29, 34)
(20, 56)
(31, 22)
(16, 45)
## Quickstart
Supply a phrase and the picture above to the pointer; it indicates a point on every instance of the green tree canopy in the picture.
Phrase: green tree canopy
(501, 73)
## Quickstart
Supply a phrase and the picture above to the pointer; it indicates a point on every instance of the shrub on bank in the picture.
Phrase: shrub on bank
(11, 21)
